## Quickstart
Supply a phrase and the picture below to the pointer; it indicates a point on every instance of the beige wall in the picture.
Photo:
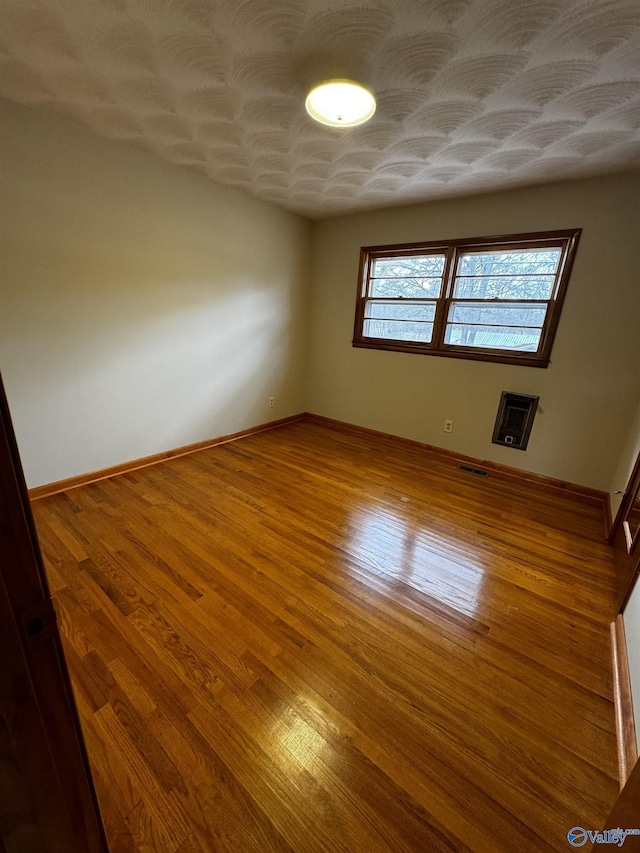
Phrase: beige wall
(587, 395)
(143, 307)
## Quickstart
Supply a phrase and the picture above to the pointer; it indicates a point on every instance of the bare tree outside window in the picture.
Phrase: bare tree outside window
(494, 298)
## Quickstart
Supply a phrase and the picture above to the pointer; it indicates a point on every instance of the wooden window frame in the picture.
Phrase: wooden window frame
(566, 241)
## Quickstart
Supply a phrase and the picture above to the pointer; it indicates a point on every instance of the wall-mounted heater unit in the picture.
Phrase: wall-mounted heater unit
(515, 419)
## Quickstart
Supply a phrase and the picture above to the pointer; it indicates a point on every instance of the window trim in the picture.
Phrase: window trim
(566, 240)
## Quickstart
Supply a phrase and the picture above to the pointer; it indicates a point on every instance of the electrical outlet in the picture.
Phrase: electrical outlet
(448, 426)
(272, 402)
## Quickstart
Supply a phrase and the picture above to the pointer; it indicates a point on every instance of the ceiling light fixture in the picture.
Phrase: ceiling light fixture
(340, 103)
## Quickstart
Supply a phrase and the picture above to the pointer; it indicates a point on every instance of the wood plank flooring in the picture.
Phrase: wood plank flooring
(310, 640)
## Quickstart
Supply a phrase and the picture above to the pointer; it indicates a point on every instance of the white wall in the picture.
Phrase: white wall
(587, 395)
(143, 307)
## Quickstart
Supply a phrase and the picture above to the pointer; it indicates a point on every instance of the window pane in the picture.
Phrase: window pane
(514, 287)
(401, 310)
(519, 314)
(509, 262)
(398, 330)
(409, 288)
(418, 266)
(493, 337)
(488, 298)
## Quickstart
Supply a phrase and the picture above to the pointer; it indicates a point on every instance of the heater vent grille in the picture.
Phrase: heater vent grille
(515, 420)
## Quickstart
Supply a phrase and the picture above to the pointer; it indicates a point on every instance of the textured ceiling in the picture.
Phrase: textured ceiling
(472, 94)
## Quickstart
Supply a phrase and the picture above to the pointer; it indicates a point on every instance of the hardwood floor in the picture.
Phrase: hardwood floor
(309, 640)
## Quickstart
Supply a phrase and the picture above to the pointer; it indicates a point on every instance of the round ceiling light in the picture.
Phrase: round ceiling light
(340, 103)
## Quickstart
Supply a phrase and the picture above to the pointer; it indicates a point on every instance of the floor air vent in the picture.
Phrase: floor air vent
(477, 471)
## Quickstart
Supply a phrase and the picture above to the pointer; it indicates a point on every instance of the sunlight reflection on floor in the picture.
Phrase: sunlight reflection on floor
(382, 541)
(303, 742)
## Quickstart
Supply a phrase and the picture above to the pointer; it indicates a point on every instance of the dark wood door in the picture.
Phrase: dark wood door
(626, 812)
(625, 537)
(47, 801)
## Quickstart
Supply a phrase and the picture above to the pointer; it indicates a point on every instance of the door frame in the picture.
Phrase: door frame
(52, 805)
(627, 563)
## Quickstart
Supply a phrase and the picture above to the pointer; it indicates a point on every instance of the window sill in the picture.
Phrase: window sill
(496, 358)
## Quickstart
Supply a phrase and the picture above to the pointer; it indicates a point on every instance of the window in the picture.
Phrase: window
(490, 298)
